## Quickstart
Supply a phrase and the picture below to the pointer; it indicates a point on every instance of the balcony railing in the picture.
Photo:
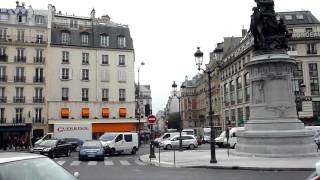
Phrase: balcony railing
(38, 120)
(39, 60)
(85, 99)
(17, 99)
(312, 52)
(23, 40)
(3, 78)
(38, 79)
(105, 99)
(38, 99)
(20, 59)
(18, 120)
(19, 79)
(122, 99)
(65, 98)
(3, 120)
(3, 58)
(3, 99)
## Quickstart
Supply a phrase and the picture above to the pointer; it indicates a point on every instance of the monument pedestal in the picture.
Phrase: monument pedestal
(273, 129)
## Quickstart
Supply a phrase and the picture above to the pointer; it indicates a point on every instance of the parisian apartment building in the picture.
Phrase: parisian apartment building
(58, 68)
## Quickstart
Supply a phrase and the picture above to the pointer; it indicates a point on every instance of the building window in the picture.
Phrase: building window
(39, 19)
(3, 98)
(19, 98)
(240, 116)
(85, 75)
(121, 76)
(3, 34)
(312, 48)
(21, 19)
(226, 94)
(85, 58)
(299, 16)
(122, 60)
(297, 78)
(105, 59)
(308, 30)
(85, 39)
(64, 74)
(2, 116)
(85, 94)
(105, 95)
(19, 75)
(65, 57)
(226, 115)
(73, 23)
(316, 109)
(4, 17)
(247, 113)
(232, 92)
(292, 47)
(39, 78)
(121, 41)
(239, 90)
(19, 116)
(38, 115)
(233, 115)
(3, 77)
(288, 17)
(65, 37)
(104, 40)
(20, 35)
(122, 95)
(314, 81)
(65, 94)
(105, 75)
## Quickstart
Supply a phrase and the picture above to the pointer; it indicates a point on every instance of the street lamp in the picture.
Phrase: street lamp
(139, 109)
(199, 60)
(174, 87)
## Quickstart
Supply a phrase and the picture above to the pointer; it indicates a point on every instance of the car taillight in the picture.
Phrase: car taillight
(316, 178)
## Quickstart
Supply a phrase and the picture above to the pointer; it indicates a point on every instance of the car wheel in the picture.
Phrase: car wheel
(134, 151)
(168, 146)
(80, 158)
(112, 151)
(52, 155)
(192, 146)
(68, 153)
(78, 148)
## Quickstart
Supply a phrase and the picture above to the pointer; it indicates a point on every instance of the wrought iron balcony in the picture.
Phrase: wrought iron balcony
(105, 99)
(85, 99)
(19, 99)
(3, 99)
(38, 99)
(122, 99)
(17, 120)
(20, 59)
(3, 120)
(19, 79)
(38, 79)
(65, 98)
(3, 78)
(3, 58)
(38, 120)
(39, 60)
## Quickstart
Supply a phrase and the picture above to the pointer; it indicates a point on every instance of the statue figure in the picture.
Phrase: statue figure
(268, 32)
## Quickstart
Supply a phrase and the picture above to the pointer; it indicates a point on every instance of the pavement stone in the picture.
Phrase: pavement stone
(201, 159)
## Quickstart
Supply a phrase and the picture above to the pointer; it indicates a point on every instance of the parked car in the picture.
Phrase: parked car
(188, 141)
(15, 166)
(75, 143)
(53, 148)
(119, 143)
(91, 150)
(165, 136)
(316, 174)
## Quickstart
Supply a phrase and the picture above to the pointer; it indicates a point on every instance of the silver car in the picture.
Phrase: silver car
(27, 166)
(188, 141)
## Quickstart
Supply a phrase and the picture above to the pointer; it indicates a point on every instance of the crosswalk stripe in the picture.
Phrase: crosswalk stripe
(124, 163)
(92, 163)
(139, 163)
(75, 163)
(61, 162)
(108, 163)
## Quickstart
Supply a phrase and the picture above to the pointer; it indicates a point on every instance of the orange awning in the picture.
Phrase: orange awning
(113, 127)
(122, 112)
(105, 112)
(85, 112)
(65, 112)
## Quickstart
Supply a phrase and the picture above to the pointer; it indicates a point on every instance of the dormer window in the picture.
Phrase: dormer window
(4, 17)
(39, 19)
(288, 17)
(299, 16)
(104, 40)
(65, 36)
(73, 23)
(121, 41)
(84, 39)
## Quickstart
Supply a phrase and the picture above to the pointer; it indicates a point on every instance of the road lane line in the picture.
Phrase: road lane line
(108, 163)
(75, 163)
(124, 163)
(92, 163)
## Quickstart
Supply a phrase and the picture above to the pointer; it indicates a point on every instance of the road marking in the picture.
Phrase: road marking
(75, 163)
(108, 163)
(139, 163)
(92, 163)
(61, 162)
(124, 163)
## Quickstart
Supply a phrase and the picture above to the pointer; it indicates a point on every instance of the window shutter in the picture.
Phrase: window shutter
(70, 74)
(90, 75)
(80, 74)
(102, 73)
(107, 75)
(119, 76)
(60, 73)
(123, 76)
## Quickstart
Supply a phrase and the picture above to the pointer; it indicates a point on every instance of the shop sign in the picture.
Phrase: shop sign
(306, 35)
(13, 125)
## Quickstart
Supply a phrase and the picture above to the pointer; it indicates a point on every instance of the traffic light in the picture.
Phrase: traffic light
(147, 110)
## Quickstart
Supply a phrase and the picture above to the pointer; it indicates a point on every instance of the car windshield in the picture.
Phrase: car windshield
(107, 137)
(48, 143)
(91, 145)
(34, 169)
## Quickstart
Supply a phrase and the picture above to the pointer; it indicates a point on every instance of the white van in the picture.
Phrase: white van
(221, 141)
(189, 132)
(119, 142)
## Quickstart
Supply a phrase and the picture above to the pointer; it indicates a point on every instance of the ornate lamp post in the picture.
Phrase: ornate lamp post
(139, 109)
(199, 60)
(174, 87)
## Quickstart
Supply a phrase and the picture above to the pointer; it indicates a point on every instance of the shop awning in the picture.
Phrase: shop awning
(105, 112)
(122, 112)
(85, 112)
(65, 112)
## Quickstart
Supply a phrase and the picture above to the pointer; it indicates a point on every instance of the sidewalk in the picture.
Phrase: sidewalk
(201, 159)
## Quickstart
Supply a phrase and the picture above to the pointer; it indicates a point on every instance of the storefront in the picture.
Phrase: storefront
(9, 132)
(99, 128)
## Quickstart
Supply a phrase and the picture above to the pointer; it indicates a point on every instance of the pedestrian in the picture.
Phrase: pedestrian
(15, 143)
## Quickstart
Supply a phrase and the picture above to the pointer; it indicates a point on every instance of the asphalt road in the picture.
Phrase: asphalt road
(128, 167)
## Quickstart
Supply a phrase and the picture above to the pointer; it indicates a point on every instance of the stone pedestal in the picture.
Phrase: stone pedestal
(273, 129)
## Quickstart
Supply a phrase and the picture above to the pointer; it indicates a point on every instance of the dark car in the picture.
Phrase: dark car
(75, 143)
(53, 148)
(91, 150)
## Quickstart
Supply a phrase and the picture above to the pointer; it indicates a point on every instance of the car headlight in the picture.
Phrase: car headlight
(46, 149)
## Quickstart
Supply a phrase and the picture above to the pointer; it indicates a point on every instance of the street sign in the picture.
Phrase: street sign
(152, 119)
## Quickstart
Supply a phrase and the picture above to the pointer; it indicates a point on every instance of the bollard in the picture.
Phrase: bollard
(174, 157)
(159, 156)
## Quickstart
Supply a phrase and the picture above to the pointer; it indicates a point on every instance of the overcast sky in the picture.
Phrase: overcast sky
(167, 32)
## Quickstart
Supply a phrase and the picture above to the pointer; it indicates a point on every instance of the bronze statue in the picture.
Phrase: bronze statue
(268, 32)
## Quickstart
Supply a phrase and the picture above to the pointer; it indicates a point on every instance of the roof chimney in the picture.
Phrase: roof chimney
(17, 3)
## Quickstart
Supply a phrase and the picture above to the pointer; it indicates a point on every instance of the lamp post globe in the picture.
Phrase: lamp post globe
(198, 55)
